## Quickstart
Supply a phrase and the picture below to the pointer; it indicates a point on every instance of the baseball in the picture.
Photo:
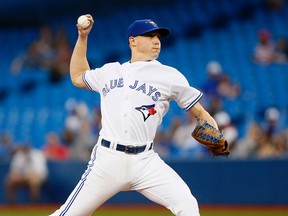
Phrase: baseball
(83, 21)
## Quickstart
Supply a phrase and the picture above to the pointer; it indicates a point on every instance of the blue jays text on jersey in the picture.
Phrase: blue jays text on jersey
(141, 87)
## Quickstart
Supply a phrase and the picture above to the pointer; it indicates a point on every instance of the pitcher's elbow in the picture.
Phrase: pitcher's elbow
(78, 82)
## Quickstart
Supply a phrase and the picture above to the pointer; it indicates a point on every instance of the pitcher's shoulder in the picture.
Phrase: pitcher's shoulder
(111, 65)
(167, 68)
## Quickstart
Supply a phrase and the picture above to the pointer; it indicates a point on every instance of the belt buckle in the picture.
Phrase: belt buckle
(127, 147)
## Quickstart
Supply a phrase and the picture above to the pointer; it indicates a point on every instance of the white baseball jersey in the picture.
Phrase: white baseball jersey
(144, 90)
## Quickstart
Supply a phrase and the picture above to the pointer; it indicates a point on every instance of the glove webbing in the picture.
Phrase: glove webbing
(207, 136)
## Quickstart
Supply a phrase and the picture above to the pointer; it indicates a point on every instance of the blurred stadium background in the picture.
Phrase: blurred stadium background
(37, 100)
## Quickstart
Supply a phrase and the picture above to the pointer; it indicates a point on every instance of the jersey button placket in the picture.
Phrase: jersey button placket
(126, 119)
(127, 105)
(125, 115)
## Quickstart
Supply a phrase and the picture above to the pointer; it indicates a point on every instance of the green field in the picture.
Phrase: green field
(152, 211)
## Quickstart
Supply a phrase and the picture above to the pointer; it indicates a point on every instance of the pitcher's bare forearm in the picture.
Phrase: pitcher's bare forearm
(198, 111)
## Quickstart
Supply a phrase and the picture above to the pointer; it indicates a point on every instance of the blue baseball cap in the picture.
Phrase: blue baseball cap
(140, 27)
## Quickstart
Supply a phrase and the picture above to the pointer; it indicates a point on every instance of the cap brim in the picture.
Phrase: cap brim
(162, 31)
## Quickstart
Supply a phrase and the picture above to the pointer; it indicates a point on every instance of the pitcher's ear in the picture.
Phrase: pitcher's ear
(131, 40)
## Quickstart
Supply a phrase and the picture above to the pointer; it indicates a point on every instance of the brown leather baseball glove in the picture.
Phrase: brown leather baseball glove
(211, 138)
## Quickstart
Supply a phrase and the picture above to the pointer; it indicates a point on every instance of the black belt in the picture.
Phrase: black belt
(129, 149)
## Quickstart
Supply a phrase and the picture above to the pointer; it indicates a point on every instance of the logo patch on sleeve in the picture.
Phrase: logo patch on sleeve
(146, 110)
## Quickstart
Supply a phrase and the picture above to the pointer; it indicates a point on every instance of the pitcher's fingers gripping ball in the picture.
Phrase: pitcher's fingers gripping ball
(83, 21)
(211, 138)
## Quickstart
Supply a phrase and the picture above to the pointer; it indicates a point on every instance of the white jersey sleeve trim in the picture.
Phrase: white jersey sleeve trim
(86, 82)
(194, 102)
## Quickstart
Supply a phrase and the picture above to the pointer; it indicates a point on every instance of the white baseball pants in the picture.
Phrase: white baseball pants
(110, 171)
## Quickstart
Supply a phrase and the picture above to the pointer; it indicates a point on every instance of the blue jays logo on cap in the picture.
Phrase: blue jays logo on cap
(140, 27)
(152, 23)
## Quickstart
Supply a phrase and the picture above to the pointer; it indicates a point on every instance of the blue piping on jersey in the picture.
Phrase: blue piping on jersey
(85, 81)
(194, 102)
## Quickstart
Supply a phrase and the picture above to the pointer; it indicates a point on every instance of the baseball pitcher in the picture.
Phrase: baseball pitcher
(135, 97)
